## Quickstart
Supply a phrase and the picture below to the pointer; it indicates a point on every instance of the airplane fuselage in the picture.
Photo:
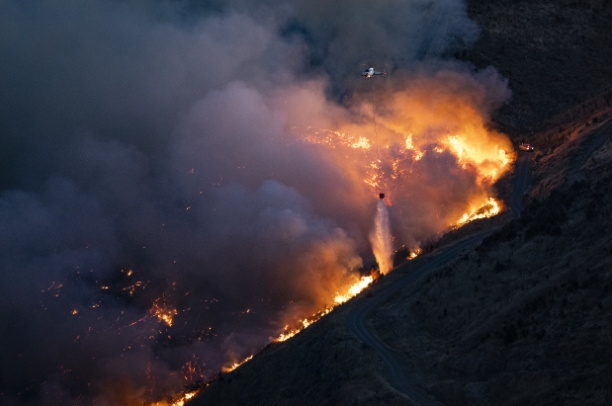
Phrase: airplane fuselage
(368, 73)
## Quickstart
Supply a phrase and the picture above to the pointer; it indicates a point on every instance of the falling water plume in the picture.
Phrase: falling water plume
(380, 238)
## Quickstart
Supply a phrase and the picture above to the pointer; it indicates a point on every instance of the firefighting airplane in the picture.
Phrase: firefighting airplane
(370, 72)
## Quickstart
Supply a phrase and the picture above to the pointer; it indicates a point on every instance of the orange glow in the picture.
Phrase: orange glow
(432, 151)
(432, 116)
(427, 123)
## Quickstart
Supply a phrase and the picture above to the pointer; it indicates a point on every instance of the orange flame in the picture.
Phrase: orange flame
(236, 364)
(305, 323)
(444, 113)
(491, 208)
(415, 253)
(352, 291)
(178, 401)
(435, 115)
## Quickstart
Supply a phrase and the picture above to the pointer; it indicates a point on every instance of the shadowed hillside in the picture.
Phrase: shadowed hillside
(556, 55)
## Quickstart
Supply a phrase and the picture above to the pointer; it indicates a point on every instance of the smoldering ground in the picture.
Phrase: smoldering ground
(158, 160)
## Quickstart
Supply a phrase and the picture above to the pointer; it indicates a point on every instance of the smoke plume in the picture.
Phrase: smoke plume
(181, 181)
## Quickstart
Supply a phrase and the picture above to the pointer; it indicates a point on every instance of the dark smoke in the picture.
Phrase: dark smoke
(147, 157)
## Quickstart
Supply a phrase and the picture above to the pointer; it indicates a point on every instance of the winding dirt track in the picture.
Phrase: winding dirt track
(400, 374)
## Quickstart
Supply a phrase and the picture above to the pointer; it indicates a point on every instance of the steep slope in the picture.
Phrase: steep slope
(522, 319)
(526, 317)
(323, 365)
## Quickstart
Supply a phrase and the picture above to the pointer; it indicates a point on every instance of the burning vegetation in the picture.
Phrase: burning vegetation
(415, 126)
(352, 291)
(491, 208)
(213, 209)
(417, 163)
(434, 159)
(419, 132)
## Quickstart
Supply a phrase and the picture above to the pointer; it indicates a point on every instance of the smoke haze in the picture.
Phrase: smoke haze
(212, 165)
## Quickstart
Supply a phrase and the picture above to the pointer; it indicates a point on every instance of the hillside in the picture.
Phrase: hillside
(556, 55)
(522, 319)
(526, 317)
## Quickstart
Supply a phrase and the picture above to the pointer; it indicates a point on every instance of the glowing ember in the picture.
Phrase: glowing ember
(192, 371)
(489, 209)
(163, 313)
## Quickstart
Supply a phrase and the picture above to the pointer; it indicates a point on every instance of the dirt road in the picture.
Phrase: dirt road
(399, 373)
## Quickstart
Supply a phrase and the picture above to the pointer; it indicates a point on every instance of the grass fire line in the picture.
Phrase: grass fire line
(381, 242)
(380, 236)
(339, 299)
(382, 248)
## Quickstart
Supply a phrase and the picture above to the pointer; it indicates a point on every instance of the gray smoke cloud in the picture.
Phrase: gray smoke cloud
(153, 154)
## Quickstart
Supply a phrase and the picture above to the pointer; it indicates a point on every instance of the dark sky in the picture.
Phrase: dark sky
(154, 152)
